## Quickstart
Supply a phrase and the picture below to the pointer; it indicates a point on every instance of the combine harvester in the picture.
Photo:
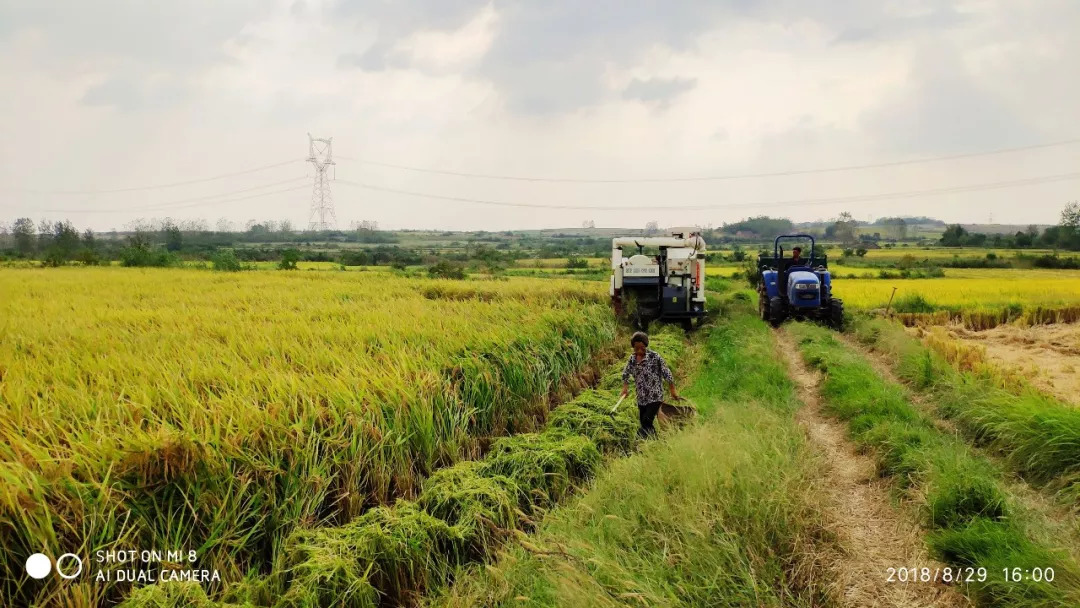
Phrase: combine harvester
(798, 289)
(669, 286)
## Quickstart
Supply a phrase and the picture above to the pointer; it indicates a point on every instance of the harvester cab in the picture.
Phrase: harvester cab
(797, 288)
(667, 285)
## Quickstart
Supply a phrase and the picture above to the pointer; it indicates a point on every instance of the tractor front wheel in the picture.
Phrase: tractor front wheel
(777, 313)
(836, 314)
(763, 305)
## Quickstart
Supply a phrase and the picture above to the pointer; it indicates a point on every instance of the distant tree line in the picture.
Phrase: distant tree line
(1066, 235)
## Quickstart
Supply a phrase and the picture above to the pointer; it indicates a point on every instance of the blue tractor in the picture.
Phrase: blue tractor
(797, 287)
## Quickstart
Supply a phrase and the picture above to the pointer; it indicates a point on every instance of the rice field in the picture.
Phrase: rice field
(559, 262)
(180, 408)
(945, 253)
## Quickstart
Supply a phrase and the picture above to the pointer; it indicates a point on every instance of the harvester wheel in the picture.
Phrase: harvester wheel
(776, 311)
(836, 314)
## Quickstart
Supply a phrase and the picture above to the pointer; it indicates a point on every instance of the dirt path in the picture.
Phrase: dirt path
(874, 535)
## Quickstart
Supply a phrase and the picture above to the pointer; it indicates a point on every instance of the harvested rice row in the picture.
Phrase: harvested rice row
(391, 553)
(971, 518)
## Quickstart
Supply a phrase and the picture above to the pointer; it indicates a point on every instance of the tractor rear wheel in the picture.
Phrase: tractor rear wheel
(836, 314)
(776, 311)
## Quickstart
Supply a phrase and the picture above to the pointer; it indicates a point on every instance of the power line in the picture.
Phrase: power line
(809, 201)
(198, 201)
(717, 177)
(156, 186)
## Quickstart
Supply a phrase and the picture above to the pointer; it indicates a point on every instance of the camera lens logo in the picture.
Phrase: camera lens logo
(38, 566)
(68, 566)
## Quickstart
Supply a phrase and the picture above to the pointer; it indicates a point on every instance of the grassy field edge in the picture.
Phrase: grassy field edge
(971, 519)
(1036, 434)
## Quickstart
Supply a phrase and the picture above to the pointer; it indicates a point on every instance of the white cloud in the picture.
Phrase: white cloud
(125, 95)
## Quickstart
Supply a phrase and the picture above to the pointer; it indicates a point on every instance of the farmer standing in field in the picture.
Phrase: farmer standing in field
(649, 371)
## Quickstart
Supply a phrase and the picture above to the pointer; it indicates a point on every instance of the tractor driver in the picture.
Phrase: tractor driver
(796, 257)
(649, 371)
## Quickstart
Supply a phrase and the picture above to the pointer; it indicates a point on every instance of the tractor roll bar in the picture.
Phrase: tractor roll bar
(777, 250)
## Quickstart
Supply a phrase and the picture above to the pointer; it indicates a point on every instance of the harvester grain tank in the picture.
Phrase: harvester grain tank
(666, 286)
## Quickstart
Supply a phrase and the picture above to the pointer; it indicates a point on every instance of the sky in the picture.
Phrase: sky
(203, 108)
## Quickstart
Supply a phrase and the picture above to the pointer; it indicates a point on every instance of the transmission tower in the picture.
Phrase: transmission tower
(321, 156)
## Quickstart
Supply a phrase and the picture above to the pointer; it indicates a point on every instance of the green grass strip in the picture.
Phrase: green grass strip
(1038, 435)
(967, 511)
(720, 514)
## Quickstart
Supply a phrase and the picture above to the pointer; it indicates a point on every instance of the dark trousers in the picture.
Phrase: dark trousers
(646, 416)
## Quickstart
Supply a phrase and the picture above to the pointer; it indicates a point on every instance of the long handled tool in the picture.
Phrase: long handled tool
(617, 403)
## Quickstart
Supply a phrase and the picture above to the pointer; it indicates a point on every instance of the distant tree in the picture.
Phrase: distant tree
(954, 236)
(588, 224)
(897, 226)
(88, 253)
(23, 233)
(226, 260)
(285, 227)
(445, 269)
(762, 226)
(975, 239)
(652, 227)
(174, 239)
(1022, 239)
(195, 225)
(355, 257)
(861, 252)
(289, 257)
(63, 243)
(1070, 215)
(843, 229)
(139, 252)
(224, 225)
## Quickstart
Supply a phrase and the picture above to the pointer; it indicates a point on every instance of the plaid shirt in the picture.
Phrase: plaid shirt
(648, 375)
